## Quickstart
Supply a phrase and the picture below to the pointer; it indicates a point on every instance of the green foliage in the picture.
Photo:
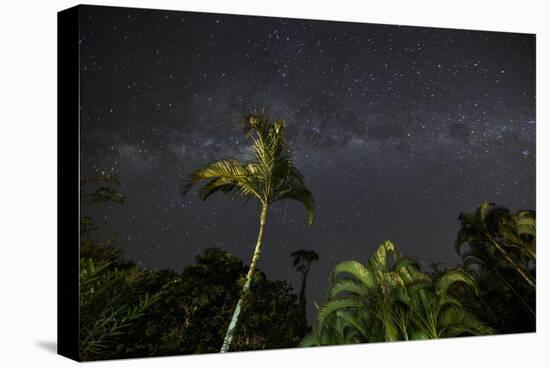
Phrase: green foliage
(389, 298)
(90, 247)
(495, 232)
(192, 309)
(498, 249)
(107, 310)
(102, 185)
(100, 250)
(105, 193)
(102, 194)
(87, 225)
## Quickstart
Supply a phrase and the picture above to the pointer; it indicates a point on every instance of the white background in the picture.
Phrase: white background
(28, 182)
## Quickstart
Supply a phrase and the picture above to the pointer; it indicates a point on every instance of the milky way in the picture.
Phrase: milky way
(397, 130)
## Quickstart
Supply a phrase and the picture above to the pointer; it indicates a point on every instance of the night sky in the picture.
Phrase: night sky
(396, 129)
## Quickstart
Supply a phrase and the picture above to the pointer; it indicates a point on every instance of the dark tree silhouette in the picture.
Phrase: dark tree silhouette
(190, 312)
(493, 230)
(498, 248)
(302, 263)
(434, 265)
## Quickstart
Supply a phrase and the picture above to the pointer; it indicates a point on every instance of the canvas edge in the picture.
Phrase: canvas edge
(68, 192)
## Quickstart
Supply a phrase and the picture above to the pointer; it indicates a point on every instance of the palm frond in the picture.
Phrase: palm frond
(525, 223)
(356, 270)
(302, 195)
(521, 233)
(337, 305)
(456, 321)
(310, 340)
(227, 176)
(454, 276)
(356, 323)
(380, 259)
(348, 286)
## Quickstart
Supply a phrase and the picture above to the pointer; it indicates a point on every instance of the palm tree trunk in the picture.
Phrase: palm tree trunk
(233, 324)
(302, 297)
(524, 275)
(516, 293)
(303, 287)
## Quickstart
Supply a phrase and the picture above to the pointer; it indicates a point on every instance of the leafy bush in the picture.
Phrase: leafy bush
(389, 298)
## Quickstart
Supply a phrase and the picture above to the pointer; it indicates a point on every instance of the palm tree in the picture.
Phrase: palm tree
(302, 263)
(436, 313)
(389, 298)
(269, 177)
(493, 230)
(499, 249)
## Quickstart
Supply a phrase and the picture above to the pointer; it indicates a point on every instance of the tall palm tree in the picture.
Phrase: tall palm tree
(302, 263)
(268, 177)
(389, 298)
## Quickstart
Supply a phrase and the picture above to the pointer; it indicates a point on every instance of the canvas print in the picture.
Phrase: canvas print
(251, 183)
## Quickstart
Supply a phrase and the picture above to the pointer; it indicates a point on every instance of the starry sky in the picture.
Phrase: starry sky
(396, 129)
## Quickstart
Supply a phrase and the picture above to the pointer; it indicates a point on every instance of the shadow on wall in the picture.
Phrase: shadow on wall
(50, 346)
